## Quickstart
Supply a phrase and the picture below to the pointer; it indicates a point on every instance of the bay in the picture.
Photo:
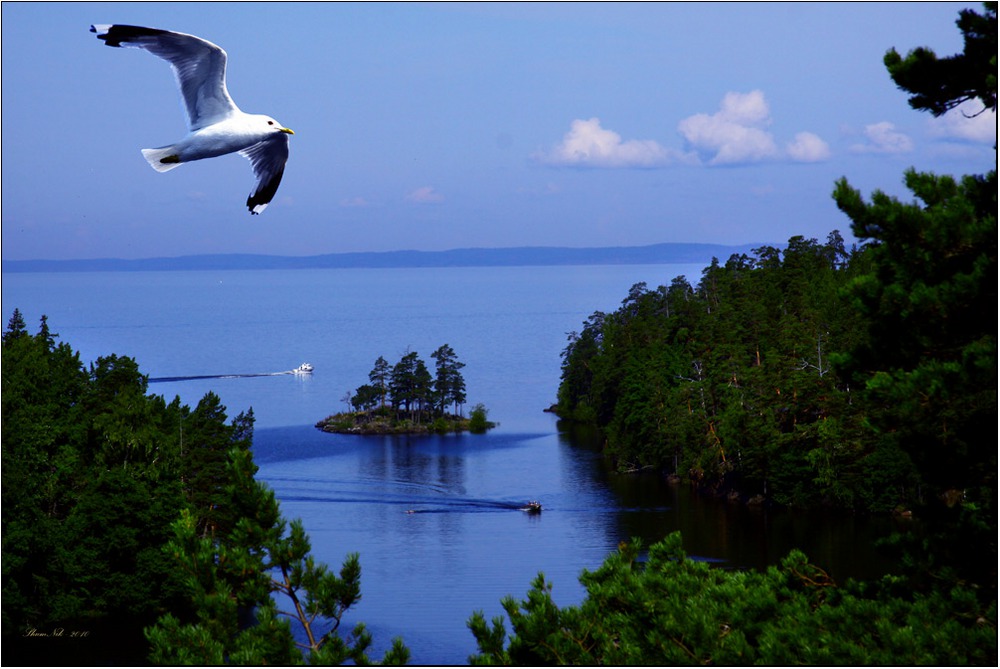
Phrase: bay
(466, 544)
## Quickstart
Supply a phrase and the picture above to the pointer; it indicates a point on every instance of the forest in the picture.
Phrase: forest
(862, 378)
(135, 531)
(731, 383)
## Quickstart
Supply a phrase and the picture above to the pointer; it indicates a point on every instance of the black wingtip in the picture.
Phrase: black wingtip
(265, 193)
(118, 33)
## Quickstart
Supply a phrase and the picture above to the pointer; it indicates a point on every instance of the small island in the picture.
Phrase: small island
(407, 399)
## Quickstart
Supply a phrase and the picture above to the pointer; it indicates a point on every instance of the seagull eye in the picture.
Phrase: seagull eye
(270, 122)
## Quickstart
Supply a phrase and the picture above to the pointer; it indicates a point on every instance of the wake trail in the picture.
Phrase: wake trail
(169, 379)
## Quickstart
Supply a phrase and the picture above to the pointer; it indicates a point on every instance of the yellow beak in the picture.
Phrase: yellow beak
(288, 130)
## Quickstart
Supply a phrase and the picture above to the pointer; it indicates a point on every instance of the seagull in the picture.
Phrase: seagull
(217, 126)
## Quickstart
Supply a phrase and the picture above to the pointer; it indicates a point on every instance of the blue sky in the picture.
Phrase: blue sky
(439, 126)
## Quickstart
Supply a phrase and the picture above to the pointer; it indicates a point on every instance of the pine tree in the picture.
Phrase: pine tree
(669, 609)
(90, 486)
(937, 84)
(449, 385)
(379, 377)
(249, 584)
(928, 362)
(403, 382)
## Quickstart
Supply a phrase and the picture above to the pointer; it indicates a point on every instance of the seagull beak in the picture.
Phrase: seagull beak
(288, 130)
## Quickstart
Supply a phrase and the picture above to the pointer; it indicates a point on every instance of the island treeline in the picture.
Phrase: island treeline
(407, 398)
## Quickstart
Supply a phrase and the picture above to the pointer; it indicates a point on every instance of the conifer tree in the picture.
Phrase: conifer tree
(937, 84)
(449, 386)
(422, 389)
(251, 583)
(90, 486)
(668, 609)
(379, 377)
(928, 363)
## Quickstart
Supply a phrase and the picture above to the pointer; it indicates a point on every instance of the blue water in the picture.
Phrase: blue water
(465, 545)
(507, 324)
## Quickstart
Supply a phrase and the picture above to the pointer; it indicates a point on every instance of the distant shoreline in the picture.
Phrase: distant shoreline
(655, 254)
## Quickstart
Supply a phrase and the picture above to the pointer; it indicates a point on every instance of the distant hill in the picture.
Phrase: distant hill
(656, 254)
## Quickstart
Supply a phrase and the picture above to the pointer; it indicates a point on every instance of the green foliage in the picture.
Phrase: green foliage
(863, 379)
(411, 388)
(816, 375)
(250, 583)
(120, 509)
(418, 401)
(731, 383)
(927, 362)
(449, 386)
(91, 482)
(441, 426)
(379, 377)
(671, 610)
(478, 424)
(940, 84)
(366, 398)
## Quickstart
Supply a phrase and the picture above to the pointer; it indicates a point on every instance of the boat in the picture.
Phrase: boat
(304, 368)
(532, 507)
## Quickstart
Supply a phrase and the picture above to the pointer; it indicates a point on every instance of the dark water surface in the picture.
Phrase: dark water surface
(466, 544)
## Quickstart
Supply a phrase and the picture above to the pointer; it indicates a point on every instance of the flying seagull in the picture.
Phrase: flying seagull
(217, 125)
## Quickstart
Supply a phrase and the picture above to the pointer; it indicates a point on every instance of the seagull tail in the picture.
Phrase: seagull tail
(163, 159)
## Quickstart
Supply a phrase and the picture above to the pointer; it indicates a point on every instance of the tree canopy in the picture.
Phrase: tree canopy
(937, 84)
(123, 513)
(730, 383)
(813, 374)
(407, 397)
(667, 609)
(863, 378)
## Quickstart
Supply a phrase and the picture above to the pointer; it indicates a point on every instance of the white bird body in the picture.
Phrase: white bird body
(236, 133)
(217, 125)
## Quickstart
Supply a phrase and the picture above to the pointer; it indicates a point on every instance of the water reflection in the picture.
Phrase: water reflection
(466, 543)
(732, 534)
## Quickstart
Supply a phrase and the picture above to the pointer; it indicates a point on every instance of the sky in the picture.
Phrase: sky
(450, 125)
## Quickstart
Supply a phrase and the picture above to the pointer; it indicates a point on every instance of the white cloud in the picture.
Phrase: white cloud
(587, 144)
(807, 148)
(737, 133)
(884, 138)
(966, 123)
(424, 195)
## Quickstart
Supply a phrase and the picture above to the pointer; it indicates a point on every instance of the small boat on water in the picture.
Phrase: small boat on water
(532, 507)
(304, 368)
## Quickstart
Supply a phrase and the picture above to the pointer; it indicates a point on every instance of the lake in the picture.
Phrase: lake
(466, 544)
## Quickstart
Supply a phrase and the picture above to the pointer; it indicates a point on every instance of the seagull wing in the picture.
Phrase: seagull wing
(199, 65)
(268, 160)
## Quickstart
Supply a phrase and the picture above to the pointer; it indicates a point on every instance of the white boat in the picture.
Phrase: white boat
(304, 368)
